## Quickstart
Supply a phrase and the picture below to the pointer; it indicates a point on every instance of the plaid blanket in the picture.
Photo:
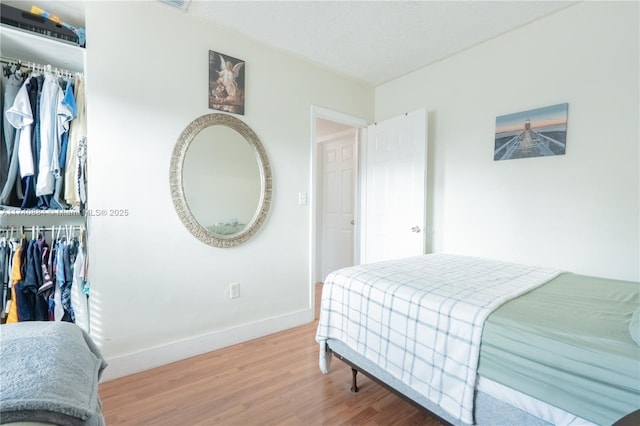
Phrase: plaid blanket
(421, 318)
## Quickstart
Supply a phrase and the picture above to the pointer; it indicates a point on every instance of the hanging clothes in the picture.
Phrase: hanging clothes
(77, 133)
(16, 277)
(46, 281)
(59, 272)
(49, 137)
(5, 253)
(43, 166)
(42, 202)
(50, 172)
(29, 179)
(79, 299)
(11, 193)
(33, 306)
(20, 116)
(69, 112)
(11, 83)
(66, 113)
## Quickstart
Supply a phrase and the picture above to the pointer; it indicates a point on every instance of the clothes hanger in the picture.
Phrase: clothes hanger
(6, 70)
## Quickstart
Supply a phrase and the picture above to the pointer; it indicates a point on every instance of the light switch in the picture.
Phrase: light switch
(302, 198)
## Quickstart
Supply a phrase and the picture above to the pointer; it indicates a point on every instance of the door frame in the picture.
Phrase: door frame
(361, 124)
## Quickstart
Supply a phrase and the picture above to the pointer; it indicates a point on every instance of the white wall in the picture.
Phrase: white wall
(579, 211)
(158, 294)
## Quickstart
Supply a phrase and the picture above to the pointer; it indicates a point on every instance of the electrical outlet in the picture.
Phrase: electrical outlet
(234, 290)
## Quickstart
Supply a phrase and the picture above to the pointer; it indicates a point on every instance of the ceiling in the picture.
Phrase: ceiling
(372, 41)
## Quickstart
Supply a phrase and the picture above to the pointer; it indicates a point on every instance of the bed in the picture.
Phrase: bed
(477, 341)
(49, 373)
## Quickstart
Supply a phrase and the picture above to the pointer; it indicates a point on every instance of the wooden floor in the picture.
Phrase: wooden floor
(274, 380)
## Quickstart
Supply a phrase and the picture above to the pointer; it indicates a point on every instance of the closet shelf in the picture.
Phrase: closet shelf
(31, 47)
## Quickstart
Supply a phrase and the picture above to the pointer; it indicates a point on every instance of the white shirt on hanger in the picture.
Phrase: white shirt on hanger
(49, 138)
(79, 300)
(21, 117)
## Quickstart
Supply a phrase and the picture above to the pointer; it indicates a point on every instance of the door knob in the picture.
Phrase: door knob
(415, 229)
(353, 222)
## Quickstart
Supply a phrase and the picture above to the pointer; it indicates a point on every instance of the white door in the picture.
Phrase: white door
(394, 188)
(339, 170)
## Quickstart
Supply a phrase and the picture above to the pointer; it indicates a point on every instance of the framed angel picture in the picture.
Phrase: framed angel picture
(226, 83)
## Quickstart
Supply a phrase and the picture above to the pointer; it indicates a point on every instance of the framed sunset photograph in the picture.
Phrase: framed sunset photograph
(538, 132)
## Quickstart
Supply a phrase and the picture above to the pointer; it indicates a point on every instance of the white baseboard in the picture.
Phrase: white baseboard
(136, 362)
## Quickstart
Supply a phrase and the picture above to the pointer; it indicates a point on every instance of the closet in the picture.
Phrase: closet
(43, 186)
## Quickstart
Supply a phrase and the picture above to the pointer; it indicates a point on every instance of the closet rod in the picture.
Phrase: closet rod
(46, 228)
(37, 66)
(55, 231)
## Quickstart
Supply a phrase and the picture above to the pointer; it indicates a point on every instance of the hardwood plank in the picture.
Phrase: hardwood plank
(274, 380)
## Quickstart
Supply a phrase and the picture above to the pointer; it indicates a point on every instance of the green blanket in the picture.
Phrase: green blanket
(567, 343)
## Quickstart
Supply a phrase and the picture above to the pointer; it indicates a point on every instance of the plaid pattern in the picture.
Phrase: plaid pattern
(421, 318)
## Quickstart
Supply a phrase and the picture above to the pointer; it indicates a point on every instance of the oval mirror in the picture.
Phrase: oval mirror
(220, 180)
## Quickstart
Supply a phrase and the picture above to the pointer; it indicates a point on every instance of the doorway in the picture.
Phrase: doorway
(338, 167)
(399, 169)
(334, 202)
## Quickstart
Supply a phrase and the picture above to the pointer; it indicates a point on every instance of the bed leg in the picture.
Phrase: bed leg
(354, 385)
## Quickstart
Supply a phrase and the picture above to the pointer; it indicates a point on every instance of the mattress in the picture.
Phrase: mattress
(568, 343)
(494, 404)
